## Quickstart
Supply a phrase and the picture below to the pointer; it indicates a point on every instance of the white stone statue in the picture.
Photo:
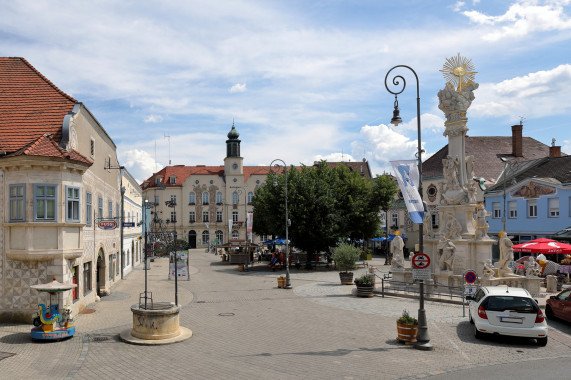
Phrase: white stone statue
(489, 270)
(532, 268)
(427, 223)
(482, 225)
(506, 256)
(453, 103)
(451, 171)
(452, 229)
(397, 247)
(448, 252)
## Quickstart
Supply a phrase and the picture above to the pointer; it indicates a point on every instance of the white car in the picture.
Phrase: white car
(502, 310)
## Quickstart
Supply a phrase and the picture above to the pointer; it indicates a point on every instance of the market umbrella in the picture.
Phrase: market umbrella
(54, 286)
(545, 246)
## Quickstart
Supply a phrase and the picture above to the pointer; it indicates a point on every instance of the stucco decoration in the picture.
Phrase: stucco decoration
(532, 268)
(533, 190)
(454, 104)
(489, 270)
(452, 229)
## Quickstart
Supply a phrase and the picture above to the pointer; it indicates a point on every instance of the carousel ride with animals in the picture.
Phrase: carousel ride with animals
(49, 323)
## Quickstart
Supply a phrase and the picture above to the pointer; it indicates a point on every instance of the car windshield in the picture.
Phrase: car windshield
(503, 303)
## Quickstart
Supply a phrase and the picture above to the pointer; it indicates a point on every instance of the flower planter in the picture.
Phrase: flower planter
(281, 282)
(406, 333)
(241, 267)
(346, 278)
(365, 291)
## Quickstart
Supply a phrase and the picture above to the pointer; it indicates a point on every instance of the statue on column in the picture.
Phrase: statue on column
(447, 251)
(397, 247)
(482, 225)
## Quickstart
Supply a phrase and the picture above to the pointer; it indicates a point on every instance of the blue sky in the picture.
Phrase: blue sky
(302, 80)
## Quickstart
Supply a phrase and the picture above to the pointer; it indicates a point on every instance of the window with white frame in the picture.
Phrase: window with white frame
(553, 205)
(109, 209)
(235, 199)
(205, 198)
(173, 199)
(100, 207)
(45, 201)
(205, 218)
(496, 210)
(205, 238)
(219, 197)
(17, 203)
(88, 208)
(172, 180)
(512, 207)
(191, 198)
(235, 234)
(532, 208)
(156, 199)
(434, 220)
(192, 217)
(394, 219)
(218, 216)
(234, 216)
(72, 204)
(250, 197)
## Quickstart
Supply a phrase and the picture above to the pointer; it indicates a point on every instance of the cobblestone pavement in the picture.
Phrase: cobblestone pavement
(245, 327)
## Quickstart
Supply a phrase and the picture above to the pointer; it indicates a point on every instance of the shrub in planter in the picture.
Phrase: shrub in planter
(364, 280)
(345, 256)
(407, 328)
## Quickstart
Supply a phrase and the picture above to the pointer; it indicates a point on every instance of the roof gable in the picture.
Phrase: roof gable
(30, 105)
(45, 146)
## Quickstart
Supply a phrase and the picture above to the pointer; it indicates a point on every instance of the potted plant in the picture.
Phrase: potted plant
(281, 282)
(365, 286)
(345, 256)
(407, 328)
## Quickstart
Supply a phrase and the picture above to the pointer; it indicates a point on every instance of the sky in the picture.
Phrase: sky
(301, 80)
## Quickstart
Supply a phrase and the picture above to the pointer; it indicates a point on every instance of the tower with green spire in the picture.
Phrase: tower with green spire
(233, 161)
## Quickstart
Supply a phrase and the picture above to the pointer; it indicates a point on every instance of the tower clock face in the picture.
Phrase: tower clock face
(234, 166)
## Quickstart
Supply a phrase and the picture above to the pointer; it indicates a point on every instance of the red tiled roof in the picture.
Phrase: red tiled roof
(30, 105)
(358, 166)
(45, 146)
(487, 151)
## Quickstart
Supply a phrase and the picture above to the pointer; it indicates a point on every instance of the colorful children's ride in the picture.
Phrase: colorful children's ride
(49, 323)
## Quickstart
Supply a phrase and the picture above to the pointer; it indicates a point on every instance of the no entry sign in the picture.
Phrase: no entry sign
(421, 261)
(420, 267)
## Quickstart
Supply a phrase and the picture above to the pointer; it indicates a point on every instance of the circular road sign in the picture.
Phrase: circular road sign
(420, 261)
(470, 277)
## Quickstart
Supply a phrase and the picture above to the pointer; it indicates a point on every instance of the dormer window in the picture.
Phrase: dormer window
(172, 180)
(158, 180)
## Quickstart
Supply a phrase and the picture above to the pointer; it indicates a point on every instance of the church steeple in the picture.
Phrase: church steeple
(233, 143)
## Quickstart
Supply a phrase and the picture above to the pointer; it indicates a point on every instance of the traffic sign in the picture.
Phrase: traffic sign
(470, 276)
(128, 224)
(421, 261)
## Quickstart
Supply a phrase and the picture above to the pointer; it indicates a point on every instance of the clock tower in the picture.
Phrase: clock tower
(233, 162)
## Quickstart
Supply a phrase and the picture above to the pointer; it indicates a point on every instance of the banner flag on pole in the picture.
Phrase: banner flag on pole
(250, 222)
(229, 228)
(406, 172)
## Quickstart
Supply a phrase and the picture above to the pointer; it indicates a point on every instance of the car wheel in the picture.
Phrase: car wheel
(549, 312)
(477, 334)
(542, 342)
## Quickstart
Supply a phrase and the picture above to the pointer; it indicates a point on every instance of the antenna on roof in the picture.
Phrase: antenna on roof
(521, 119)
(169, 138)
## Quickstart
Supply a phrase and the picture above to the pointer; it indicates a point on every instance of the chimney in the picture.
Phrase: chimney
(554, 151)
(517, 150)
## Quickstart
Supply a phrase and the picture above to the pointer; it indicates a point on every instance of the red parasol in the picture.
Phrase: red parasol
(542, 246)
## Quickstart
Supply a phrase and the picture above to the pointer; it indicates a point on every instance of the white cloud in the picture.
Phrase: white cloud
(335, 157)
(458, 6)
(523, 18)
(238, 87)
(428, 122)
(153, 119)
(543, 93)
(139, 163)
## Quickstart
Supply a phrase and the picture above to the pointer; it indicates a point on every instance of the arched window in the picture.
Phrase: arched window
(235, 199)
(191, 198)
(250, 197)
(220, 236)
(205, 238)
(218, 197)
(235, 234)
(205, 198)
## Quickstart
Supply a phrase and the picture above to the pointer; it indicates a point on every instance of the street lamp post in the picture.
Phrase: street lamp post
(506, 166)
(146, 206)
(422, 337)
(172, 204)
(287, 221)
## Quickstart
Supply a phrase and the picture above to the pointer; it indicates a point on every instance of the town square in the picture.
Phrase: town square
(408, 218)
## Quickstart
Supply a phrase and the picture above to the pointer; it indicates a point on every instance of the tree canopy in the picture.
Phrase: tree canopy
(325, 205)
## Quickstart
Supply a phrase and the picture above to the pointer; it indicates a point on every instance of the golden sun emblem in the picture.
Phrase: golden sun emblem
(458, 71)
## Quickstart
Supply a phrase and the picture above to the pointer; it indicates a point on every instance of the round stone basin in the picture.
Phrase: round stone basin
(158, 321)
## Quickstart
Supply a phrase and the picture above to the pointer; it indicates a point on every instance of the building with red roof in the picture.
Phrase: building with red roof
(57, 180)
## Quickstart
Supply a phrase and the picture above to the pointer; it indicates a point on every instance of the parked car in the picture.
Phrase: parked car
(559, 306)
(501, 310)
